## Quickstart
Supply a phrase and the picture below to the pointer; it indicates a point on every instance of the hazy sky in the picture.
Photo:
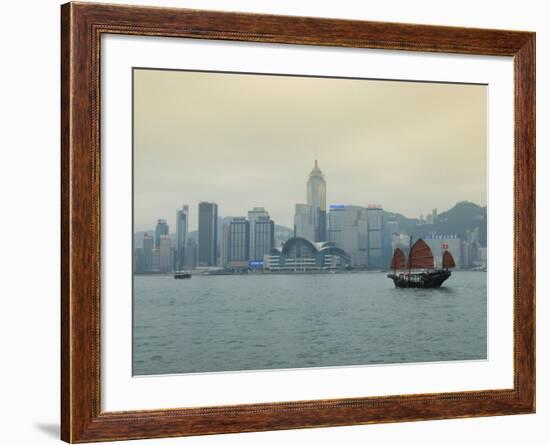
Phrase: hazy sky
(245, 141)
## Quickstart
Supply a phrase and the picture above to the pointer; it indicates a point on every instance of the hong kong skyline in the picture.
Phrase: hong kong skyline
(408, 146)
(149, 225)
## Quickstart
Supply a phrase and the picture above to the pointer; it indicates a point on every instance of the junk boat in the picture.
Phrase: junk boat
(182, 275)
(419, 270)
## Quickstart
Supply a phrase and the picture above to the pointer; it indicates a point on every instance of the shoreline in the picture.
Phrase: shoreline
(223, 273)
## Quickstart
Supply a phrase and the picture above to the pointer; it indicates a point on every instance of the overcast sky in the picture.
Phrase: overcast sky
(245, 141)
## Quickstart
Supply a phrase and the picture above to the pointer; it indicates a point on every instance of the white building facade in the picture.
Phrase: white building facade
(440, 243)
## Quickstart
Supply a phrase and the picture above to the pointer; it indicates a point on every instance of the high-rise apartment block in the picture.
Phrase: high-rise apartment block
(348, 230)
(375, 220)
(161, 229)
(208, 234)
(182, 229)
(237, 234)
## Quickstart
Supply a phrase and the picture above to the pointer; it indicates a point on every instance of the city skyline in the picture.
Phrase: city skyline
(346, 237)
(154, 220)
(256, 155)
(356, 237)
(151, 224)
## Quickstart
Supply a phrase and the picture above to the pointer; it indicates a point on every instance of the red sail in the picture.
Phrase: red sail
(448, 260)
(398, 261)
(421, 256)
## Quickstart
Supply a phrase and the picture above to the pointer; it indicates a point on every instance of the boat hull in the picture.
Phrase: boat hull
(426, 280)
(182, 276)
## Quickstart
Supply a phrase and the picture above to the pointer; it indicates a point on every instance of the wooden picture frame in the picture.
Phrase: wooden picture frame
(82, 25)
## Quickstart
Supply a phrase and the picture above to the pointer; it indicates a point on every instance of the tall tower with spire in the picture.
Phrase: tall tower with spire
(310, 220)
(317, 188)
(317, 199)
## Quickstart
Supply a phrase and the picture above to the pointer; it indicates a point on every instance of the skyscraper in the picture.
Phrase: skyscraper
(155, 264)
(304, 226)
(147, 253)
(138, 260)
(165, 253)
(253, 216)
(238, 242)
(182, 228)
(224, 244)
(208, 234)
(375, 216)
(191, 254)
(392, 225)
(264, 238)
(317, 199)
(347, 229)
(161, 229)
(223, 235)
(310, 220)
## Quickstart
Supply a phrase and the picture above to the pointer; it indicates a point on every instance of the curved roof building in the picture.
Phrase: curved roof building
(302, 255)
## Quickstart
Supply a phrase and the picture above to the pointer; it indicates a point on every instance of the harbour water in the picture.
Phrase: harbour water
(254, 322)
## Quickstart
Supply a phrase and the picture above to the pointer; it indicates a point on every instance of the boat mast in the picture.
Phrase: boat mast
(410, 256)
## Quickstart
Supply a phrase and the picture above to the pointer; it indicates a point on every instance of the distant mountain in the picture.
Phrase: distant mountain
(463, 216)
(283, 229)
(464, 213)
(405, 224)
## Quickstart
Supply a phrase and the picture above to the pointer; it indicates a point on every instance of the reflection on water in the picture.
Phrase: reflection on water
(232, 323)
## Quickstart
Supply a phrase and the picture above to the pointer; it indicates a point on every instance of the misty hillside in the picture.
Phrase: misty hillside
(457, 220)
(405, 224)
(464, 213)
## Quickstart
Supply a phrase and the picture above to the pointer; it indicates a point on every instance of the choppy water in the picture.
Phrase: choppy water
(229, 323)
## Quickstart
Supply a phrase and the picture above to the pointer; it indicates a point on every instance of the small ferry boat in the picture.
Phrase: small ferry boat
(419, 270)
(182, 275)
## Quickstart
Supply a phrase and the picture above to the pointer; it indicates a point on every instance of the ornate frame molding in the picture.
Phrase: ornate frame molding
(82, 25)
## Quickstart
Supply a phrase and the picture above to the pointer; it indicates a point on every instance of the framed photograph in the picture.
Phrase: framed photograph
(274, 222)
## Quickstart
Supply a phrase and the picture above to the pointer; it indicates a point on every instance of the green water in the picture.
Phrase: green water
(253, 322)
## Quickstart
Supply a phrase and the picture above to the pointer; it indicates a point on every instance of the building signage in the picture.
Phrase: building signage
(257, 264)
